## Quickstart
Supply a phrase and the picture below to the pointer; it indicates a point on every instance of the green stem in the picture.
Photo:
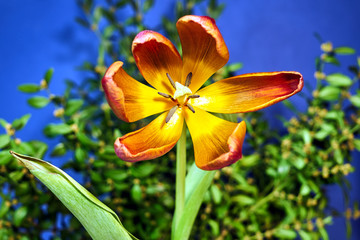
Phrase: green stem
(180, 178)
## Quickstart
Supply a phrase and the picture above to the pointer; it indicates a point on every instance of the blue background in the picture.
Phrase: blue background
(264, 35)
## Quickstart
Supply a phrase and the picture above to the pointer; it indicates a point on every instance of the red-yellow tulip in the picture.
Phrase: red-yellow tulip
(175, 93)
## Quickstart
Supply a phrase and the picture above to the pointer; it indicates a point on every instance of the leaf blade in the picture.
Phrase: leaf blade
(99, 220)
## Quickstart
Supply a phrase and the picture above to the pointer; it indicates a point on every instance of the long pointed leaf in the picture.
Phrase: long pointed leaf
(196, 184)
(98, 219)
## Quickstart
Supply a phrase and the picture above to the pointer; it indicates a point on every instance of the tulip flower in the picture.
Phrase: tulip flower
(175, 94)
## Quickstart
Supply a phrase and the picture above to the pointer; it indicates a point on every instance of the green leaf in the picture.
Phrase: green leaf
(344, 50)
(38, 101)
(3, 123)
(355, 100)
(5, 158)
(338, 80)
(19, 215)
(216, 194)
(305, 235)
(323, 234)
(136, 193)
(234, 67)
(58, 150)
(338, 156)
(4, 140)
(85, 140)
(331, 59)
(285, 233)
(147, 5)
(116, 174)
(243, 200)
(215, 228)
(196, 185)
(18, 124)
(4, 208)
(29, 88)
(143, 170)
(52, 129)
(304, 190)
(249, 161)
(80, 154)
(72, 106)
(329, 93)
(48, 75)
(357, 144)
(99, 220)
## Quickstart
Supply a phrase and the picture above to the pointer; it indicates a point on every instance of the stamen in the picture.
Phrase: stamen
(188, 79)
(171, 81)
(171, 113)
(194, 96)
(164, 95)
(190, 107)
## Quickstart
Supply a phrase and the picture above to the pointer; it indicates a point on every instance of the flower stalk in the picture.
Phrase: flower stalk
(180, 178)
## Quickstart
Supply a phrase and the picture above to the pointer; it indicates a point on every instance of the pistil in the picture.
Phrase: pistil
(181, 95)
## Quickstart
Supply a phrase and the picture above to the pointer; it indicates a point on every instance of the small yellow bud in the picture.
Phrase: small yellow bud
(325, 172)
(309, 226)
(348, 214)
(319, 75)
(319, 223)
(17, 141)
(326, 47)
(315, 93)
(43, 84)
(59, 112)
(74, 127)
(105, 107)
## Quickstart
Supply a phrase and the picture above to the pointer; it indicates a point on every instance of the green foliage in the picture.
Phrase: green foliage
(99, 221)
(277, 190)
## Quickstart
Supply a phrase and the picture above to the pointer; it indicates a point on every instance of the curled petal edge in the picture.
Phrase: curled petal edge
(235, 143)
(151, 141)
(124, 153)
(109, 85)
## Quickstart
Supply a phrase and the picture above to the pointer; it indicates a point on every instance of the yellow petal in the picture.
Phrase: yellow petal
(151, 141)
(217, 143)
(129, 99)
(155, 56)
(203, 47)
(248, 92)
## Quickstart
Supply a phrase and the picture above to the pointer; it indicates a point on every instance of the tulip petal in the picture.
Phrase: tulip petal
(129, 99)
(151, 141)
(203, 47)
(217, 142)
(155, 56)
(248, 92)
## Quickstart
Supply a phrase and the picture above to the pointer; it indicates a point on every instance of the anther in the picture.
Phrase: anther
(188, 79)
(171, 113)
(164, 95)
(190, 107)
(171, 81)
(194, 96)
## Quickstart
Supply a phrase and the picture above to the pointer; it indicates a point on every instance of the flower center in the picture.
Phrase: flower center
(181, 93)
(181, 96)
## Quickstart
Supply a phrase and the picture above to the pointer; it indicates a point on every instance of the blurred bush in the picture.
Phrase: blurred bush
(278, 190)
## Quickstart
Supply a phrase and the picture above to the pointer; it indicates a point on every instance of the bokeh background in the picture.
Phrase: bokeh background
(263, 35)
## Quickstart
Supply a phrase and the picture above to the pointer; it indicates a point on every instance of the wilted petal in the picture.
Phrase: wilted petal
(203, 47)
(151, 141)
(129, 99)
(217, 143)
(248, 92)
